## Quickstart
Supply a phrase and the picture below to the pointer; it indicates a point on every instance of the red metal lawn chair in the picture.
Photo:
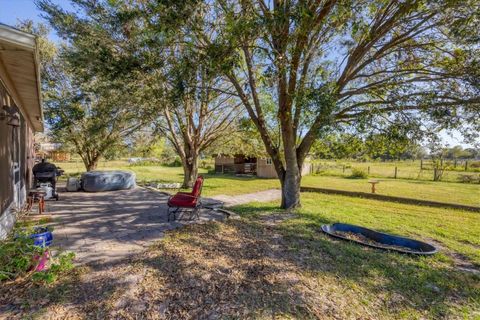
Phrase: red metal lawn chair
(186, 200)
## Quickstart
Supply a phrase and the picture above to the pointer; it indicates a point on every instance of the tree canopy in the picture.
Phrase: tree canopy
(301, 69)
(332, 64)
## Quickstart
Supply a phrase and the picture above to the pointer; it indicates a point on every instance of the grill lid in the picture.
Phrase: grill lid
(44, 167)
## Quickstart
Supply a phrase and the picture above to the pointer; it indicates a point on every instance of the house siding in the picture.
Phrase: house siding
(16, 162)
(6, 175)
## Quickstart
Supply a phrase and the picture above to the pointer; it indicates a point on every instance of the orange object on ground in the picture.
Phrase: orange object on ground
(36, 196)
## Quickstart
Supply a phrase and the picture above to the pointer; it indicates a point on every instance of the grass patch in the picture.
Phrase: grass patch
(387, 285)
(460, 193)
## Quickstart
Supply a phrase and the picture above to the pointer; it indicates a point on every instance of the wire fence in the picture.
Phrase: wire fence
(414, 170)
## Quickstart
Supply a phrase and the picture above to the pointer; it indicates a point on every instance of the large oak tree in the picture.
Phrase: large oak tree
(330, 64)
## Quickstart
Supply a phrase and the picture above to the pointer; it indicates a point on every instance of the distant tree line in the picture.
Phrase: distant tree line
(385, 148)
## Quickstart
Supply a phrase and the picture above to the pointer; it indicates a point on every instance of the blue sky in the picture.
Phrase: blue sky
(13, 10)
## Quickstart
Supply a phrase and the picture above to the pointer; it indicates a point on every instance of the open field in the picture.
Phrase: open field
(460, 193)
(272, 264)
(405, 169)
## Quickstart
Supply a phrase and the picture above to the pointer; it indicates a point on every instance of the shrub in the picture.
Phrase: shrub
(465, 178)
(17, 254)
(175, 163)
(145, 163)
(59, 265)
(358, 174)
(204, 164)
(475, 164)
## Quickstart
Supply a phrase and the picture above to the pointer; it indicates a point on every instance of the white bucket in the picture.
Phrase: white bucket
(47, 188)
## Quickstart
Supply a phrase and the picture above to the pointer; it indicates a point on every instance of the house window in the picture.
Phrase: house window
(269, 160)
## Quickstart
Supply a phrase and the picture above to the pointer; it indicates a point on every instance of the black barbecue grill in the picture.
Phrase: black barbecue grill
(46, 172)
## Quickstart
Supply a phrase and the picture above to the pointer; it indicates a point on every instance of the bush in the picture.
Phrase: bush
(358, 174)
(175, 163)
(59, 265)
(145, 163)
(475, 164)
(17, 255)
(206, 164)
(465, 178)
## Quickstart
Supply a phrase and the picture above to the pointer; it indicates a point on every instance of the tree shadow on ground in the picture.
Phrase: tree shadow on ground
(393, 282)
(267, 264)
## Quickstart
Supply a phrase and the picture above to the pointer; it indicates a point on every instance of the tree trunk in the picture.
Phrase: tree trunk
(290, 183)
(92, 165)
(90, 162)
(190, 171)
(291, 193)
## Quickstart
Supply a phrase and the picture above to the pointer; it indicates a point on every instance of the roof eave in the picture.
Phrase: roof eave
(17, 37)
(27, 42)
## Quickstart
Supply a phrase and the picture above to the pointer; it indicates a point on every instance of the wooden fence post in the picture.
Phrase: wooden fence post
(421, 164)
(466, 165)
(396, 169)
(368, 169)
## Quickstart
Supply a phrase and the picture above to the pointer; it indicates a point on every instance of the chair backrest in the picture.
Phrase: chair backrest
(197, 187)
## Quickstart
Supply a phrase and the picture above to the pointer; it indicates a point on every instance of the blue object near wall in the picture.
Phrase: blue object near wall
(42, 237)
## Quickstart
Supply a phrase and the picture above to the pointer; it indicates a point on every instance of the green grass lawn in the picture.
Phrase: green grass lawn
(460, 193)
(376, 283)
(214, 184)
(272, 264)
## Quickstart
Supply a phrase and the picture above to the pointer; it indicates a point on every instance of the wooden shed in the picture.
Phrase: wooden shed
(59, 156)
(240, 164)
